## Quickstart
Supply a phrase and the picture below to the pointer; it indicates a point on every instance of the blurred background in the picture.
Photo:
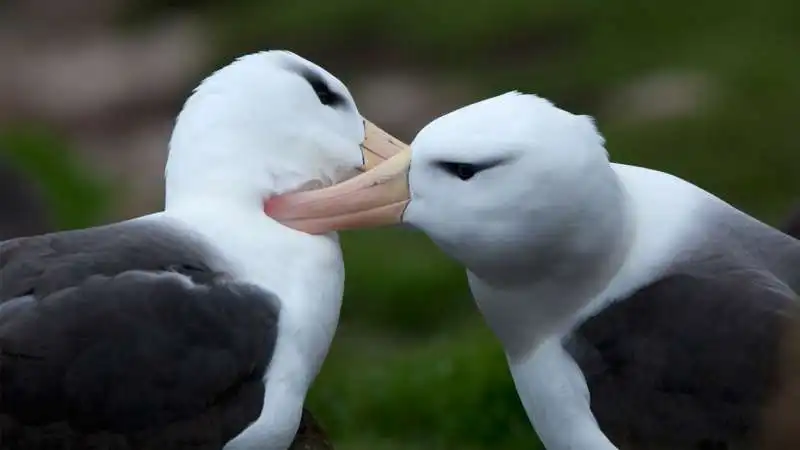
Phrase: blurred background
(707, 90)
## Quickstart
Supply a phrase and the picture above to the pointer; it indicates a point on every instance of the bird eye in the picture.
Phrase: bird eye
(463, 171)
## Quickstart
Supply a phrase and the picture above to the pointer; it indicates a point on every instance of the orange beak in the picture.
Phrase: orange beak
(377, 197)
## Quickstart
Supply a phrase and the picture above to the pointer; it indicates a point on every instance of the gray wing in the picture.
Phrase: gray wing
(124, 330)
(687, 362)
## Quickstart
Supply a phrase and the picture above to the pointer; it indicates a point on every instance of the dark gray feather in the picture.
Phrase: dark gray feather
(100, 336)
(50, 262)
(691, 360)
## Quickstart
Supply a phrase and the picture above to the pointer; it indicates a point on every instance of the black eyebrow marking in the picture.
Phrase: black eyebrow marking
(486, 163)
(326, 95)
(465, 170)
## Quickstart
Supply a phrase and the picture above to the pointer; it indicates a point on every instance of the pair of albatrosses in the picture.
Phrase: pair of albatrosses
(200, 327)
(636, 310)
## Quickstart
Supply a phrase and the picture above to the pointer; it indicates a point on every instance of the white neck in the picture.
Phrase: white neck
(561, 281)
(300, 269)
(306, 274)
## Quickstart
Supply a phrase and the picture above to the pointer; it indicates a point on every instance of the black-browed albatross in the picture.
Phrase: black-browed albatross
(201, 326)
(636, 310)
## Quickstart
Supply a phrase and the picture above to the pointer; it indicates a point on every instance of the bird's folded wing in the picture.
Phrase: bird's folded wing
(687, 360)
(138, 353)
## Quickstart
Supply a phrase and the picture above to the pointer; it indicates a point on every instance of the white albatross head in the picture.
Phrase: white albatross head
(492, 183)
(269, 122)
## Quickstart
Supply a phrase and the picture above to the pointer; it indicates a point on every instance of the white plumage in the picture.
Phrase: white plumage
(634, 307)
(268, 123)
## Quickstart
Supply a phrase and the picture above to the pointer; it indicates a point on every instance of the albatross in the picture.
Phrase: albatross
(636, 310)
(201, 326)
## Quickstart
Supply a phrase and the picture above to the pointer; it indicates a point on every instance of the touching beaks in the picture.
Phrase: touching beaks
(378, 146)
(374, 198)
